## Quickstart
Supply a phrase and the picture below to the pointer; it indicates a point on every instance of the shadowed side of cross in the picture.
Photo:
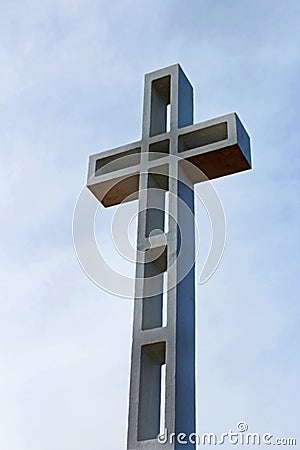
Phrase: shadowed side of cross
(166, 160)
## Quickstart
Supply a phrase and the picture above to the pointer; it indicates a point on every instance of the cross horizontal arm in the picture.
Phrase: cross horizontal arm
(113, 175)
(217, 147)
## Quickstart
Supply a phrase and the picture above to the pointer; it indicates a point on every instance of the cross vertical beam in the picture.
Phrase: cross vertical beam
(173, 344)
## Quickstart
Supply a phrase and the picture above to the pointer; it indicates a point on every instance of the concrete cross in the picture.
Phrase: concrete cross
(163, 354)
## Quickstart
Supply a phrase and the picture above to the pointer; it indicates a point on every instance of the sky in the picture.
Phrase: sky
(71, 84)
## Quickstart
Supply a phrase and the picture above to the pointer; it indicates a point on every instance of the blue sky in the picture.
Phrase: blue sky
(71, 84)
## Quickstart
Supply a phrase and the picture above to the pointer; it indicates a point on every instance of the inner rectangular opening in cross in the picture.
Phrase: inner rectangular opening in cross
(155, 282)
(160, 99)
(158, 185)
(202, 137)
(151, 400)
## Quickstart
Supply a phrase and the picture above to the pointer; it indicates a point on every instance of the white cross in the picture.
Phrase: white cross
(163, 161)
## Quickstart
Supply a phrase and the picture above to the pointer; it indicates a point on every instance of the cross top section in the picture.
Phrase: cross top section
(163, 88)
(218, 147)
